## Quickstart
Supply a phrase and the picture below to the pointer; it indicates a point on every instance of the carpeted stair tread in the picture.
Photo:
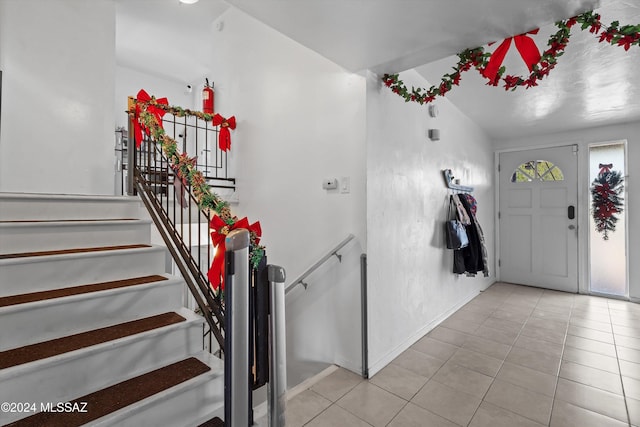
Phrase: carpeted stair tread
(71, 251)
(118, 396)
(214, 422)
(77, 290)
(42, 350)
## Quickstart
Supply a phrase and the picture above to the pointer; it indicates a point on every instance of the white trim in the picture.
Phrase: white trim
(583, 219)
(538, 147)
(496, 209)
(309, 382)
(587, 249)
(390, 356)
(259, 412)
(580, 260)
(70, 197)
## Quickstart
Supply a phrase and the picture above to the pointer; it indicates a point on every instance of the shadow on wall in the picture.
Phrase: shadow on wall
(324, 320)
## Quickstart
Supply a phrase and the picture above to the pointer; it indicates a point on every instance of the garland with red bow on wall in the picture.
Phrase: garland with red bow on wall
(146, 113)
(606, 201)
(489, 65)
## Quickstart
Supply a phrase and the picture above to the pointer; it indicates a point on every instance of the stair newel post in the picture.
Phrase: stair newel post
(237, 340)
(277, 348)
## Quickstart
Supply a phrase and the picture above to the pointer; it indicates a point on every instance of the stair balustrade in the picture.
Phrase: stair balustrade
(245, 321)
(174, 209)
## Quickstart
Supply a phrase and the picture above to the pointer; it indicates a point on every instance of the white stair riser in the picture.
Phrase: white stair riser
(54, 318)
(69, 376)
(188, 404)
(66, 377)
(46, 236)
(15, 207)
(24, 275)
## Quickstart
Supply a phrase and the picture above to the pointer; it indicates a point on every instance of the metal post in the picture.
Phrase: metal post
(237, 242)
(278, 348)
(363, 311)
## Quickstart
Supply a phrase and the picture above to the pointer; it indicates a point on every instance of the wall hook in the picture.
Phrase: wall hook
(448, 179)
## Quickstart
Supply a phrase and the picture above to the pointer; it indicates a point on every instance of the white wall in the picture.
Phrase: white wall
(301, 119)
(630, 132)
(57, 58)
(129, 81)
(411, 286)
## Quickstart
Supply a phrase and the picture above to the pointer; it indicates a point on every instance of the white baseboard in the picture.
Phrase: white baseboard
(261, 411)
(293, 391)
(391, 355)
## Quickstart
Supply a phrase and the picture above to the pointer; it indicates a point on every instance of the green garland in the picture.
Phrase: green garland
(184, 166)
(625, 36)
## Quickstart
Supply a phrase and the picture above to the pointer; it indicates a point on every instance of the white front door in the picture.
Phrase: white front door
(538, 218)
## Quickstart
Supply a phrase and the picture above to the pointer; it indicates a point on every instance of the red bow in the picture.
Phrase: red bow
(224, 139)
(604, 190)
(158, 113)
(525, 45)
(606, 211)
(218, 237)
(605, 168)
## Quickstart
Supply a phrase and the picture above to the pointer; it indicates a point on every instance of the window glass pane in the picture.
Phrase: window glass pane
(537, 170)
(607, 219)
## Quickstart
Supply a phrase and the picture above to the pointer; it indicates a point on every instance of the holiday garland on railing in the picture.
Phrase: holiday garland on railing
(605, 199)
(490, 65)
(147, 113)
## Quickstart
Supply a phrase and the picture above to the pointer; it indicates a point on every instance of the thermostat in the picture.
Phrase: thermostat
(330, 184)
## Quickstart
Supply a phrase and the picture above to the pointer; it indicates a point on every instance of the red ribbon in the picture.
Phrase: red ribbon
(224, 138)
(218, 237)
(605, 168)
(158, 113)
(604, 190)
(525, 45)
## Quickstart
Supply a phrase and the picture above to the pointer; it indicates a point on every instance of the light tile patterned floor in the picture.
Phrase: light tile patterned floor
(514, 356)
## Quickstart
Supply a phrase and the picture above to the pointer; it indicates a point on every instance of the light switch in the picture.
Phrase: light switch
(345, 184)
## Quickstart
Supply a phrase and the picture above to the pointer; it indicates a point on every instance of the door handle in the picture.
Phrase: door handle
(572, 227)
(571, 212)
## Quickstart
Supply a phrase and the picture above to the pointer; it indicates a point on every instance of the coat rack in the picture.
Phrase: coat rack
(448, 179)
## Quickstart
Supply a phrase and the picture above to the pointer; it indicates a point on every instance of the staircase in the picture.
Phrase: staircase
(92, 330)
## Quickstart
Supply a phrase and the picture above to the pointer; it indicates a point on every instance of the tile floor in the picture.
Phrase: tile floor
(513, 356)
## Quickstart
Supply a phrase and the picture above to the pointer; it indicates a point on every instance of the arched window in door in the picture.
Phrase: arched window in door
(537, 170)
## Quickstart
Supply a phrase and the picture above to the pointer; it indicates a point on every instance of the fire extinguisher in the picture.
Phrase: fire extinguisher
(207, 98)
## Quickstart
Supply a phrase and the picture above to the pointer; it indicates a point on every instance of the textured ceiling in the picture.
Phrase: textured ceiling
(396, 35)
(592, 85)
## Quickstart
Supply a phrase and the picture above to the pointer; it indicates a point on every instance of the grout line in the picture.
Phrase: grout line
(615, 347)
(310, 382)
(564, 345)
(493, 380)
(501, 298)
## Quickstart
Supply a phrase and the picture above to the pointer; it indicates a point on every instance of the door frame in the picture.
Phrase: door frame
(582, 205)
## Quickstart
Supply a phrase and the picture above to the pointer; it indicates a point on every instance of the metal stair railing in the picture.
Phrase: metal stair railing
(182, 225)
(249, 323)
(333, 252)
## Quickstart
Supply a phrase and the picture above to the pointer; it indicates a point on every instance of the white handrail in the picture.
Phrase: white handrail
(332, 252)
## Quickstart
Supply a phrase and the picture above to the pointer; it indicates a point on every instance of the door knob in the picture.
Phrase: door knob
(572, 227)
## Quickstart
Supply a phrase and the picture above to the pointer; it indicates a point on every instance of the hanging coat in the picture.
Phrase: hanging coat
(472, 253)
